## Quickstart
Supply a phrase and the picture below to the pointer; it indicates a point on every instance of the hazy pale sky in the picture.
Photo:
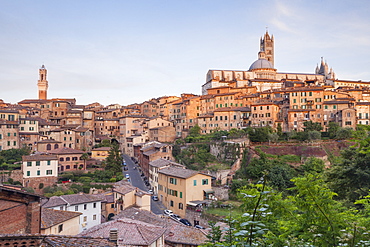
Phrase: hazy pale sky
(118, 51)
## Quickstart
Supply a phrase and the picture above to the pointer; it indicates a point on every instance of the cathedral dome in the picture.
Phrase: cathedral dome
(261, 64)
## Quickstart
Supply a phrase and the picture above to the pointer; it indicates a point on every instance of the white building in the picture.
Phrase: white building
(88, 205)
(39, 169)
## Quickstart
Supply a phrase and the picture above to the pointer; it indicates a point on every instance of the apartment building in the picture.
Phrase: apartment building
(39, 169)
(155, 166)
(178, 186)
(88, 205)
(69, 159)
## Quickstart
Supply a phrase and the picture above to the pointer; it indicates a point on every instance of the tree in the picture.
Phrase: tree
(312, 126)
(114, 160)
(194, 131)
(333, 128)
(84, 157)
(344, 133)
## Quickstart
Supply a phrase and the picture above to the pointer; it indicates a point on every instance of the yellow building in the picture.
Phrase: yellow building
(177, 187)
(100, 153)
(59, 222)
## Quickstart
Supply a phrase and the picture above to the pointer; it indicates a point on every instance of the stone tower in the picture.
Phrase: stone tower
(42, 83)
(267, 46)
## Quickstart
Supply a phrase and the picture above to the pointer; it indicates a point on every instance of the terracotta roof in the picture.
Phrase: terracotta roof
(163, 162)
(187, 235)
(51, 217)
(175, 231)
(8, 204)
(39, 157)
(70, 199)
(65, 150)
(130, 232)
(337, 102)
(101, 149)
(49, 141)
(62, 241)
(123, 187)
(232, 109)
(178, 172)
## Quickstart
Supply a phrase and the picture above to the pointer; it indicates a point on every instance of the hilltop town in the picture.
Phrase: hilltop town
(63, 137)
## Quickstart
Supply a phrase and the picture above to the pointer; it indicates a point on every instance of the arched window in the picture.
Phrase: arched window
(48, 147)
(56, 146)
(74, 166)
(68, 167)
(68, 159)
(61, 159)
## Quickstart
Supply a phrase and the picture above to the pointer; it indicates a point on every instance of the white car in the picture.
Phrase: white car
(168, 212)
(175, 217)
(127, 176)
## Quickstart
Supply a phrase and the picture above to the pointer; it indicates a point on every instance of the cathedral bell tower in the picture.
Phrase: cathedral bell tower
(267, 46)
(42, 83)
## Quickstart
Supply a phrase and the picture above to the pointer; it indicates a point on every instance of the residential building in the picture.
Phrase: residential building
(59, 222)
(88, 205)
(69, 159)
(155, 166)
(39, 171)
(178, 186)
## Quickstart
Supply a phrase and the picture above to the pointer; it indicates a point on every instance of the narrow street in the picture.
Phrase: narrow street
(137, 181)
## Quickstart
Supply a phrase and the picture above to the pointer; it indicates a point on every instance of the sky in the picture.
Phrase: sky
(125, 51)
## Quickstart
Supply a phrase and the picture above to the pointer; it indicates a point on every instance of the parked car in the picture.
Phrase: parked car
(155, 198)
(127, 176)
(124, 163)
(185, 222)
(168, 212)
(175, 217)
(199, 227)
(125, 168)
(150, 192)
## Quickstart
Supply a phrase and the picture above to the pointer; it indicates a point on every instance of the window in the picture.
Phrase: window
(171, 203)
(326, 107)
(85, 206)
(309, 93)
(85, 218)
(37, 163)
(94, 205)
(49, 172)
(334, 107)
(195, 182)
(348, 123)
(15, 134)
(61, 159)
(294, 100)
(60, 228)
(181, 206)
(38, 173)
(180, 194)
(204, 181)
(48, 162)
(94, 217)
(28, 173)
(76, 208)
(173, 181)
(14, 143)
(29, 163)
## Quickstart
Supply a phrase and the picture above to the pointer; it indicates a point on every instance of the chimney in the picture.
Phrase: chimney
(113, 234)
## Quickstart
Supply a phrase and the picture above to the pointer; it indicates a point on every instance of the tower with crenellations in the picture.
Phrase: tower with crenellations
(42, 83)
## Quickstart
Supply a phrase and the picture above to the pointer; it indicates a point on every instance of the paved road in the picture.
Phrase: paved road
(137, 181)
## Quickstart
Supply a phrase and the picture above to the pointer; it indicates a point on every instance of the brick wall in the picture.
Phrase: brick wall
(15, 215)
